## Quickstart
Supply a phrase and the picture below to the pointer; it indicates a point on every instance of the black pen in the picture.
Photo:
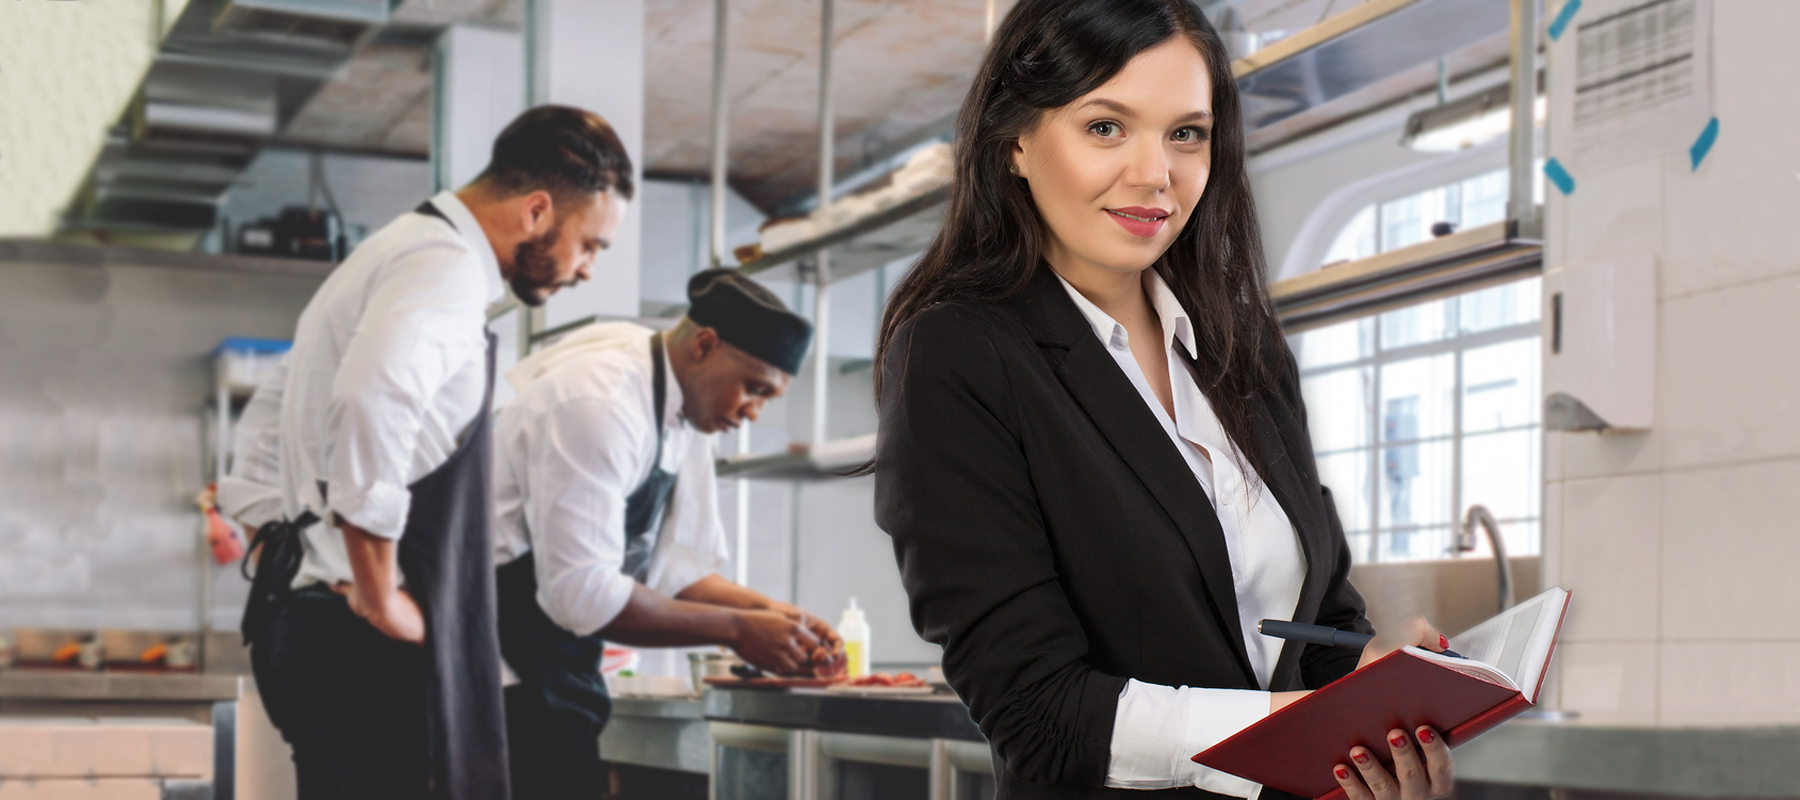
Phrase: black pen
(1320, 634)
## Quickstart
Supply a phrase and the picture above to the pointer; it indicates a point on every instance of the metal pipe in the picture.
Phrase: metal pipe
(1521, 206)
(741, 487)
(719, 131)
(1479, 514)
(822, 262)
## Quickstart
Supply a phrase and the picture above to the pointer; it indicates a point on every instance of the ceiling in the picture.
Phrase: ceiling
(901, 68)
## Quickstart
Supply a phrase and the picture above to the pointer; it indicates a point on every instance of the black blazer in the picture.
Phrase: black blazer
(1055, 543)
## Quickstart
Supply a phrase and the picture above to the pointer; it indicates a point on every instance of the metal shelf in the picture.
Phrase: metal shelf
(1439, 267)
(905, 228)
(1374, 55)
(825, 461)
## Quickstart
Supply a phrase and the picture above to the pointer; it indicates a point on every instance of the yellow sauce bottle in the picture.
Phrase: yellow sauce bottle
(855, 630)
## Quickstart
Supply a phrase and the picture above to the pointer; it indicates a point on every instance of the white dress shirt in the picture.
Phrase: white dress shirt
(570, 447)
(387, 372)
(1158, 728)
(251, 491)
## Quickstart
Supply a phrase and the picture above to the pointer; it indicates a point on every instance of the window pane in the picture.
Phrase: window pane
(1500, 386)
(1416, 397)
(1418, 324)
(1335, 344)
(1359, 545)
(1403, 222)
(1415, 545)
(1500, 306)
(1415, 485)
(1484, 199)
(1337, 408)
(1347, 476)
(1500, 471)
(1356, 240)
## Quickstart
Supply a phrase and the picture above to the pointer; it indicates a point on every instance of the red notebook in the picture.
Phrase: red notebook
(1294, 749)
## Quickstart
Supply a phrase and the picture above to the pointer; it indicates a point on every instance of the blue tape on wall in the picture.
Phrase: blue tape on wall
(1563, 181)
(1562, 19)
(1703, 145)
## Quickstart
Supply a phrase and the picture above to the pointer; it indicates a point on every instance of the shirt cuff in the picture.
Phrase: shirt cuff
(379, 509)
(249, 503)
(585, 609)
(1158, 729)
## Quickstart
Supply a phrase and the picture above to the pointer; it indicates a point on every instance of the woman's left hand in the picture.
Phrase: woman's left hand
(1423, 769)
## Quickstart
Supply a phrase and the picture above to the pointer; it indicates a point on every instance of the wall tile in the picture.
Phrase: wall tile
(1720, 399)
(1550, 565)
(1610, 558)
(1554, 445)
(1729, 553)
(1601, 455)
(1732, 220)
(1606, 683)
(1741, 683)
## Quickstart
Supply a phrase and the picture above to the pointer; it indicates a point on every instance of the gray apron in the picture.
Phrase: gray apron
(556, 712)
(447, 558)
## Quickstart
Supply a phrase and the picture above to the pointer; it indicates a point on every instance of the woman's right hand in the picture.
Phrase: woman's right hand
(1415, 633)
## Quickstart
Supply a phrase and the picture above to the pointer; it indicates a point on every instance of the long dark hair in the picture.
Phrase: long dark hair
(1045, 55)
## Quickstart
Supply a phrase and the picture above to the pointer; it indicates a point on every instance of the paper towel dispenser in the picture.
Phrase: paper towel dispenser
(1600, 345)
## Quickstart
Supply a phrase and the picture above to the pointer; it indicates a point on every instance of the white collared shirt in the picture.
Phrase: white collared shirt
(251, 492)
(387, 372)
(570, 447)
(1158, 728)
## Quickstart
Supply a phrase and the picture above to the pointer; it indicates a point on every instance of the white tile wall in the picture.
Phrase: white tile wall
(1610, 558)
(1729, 553)
(1732, 220)
(1614, 213)
(1732, 683)
(1722, 398)
(1607, 683)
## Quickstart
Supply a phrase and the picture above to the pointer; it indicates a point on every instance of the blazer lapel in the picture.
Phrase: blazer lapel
(1118, 411)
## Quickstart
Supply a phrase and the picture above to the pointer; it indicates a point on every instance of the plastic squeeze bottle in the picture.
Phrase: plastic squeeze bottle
(855, 630)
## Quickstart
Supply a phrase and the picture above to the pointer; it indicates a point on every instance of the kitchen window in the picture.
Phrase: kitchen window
(1418, 413)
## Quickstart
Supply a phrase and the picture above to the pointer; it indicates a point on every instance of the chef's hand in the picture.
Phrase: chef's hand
(396, 615)
(1422, 769)
(774, 642)
(829, 640)
(1415, 633)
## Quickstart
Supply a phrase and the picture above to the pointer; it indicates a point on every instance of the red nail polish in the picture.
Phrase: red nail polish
(1398, 741)
(1343, 774)
(1361, 758)
(1443, 642)
(1426, 736)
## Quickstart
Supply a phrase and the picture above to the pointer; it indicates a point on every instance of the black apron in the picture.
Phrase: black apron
(447, 558)
(560, 705)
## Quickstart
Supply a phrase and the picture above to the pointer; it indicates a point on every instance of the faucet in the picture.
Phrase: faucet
(1465, 542)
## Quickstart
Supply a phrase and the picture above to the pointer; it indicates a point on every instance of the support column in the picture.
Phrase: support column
(590, 54)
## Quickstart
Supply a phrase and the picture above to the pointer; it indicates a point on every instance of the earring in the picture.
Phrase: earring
(1012, 168)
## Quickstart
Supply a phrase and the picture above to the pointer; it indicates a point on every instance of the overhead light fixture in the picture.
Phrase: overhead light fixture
(1465, 123)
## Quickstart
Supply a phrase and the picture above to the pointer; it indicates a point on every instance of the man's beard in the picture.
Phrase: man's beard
(534, 268)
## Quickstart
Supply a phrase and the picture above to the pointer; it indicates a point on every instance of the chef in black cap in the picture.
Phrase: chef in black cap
(609, 526)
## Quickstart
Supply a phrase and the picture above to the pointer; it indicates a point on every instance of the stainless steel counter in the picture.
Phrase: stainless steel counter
(665, 733)
(1713, 762)
(116, 687)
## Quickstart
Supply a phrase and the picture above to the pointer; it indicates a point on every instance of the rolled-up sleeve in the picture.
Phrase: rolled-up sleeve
(954, 492)
(251, 492)
(1159, 728)
(579, 455)
(422, 320)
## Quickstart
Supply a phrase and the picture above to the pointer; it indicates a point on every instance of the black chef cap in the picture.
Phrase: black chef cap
(749, 318)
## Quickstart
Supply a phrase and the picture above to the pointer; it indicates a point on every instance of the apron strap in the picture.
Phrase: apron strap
(430, 209)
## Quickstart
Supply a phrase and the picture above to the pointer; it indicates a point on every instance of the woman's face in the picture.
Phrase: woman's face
(1116, 173)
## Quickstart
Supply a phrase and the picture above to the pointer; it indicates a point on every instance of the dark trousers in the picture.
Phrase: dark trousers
(350, 700)
(554, 750)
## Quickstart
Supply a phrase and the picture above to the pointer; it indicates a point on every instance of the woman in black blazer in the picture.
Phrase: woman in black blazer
(1051, 533)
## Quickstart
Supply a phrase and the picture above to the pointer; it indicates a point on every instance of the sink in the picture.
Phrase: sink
(1455, 594)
